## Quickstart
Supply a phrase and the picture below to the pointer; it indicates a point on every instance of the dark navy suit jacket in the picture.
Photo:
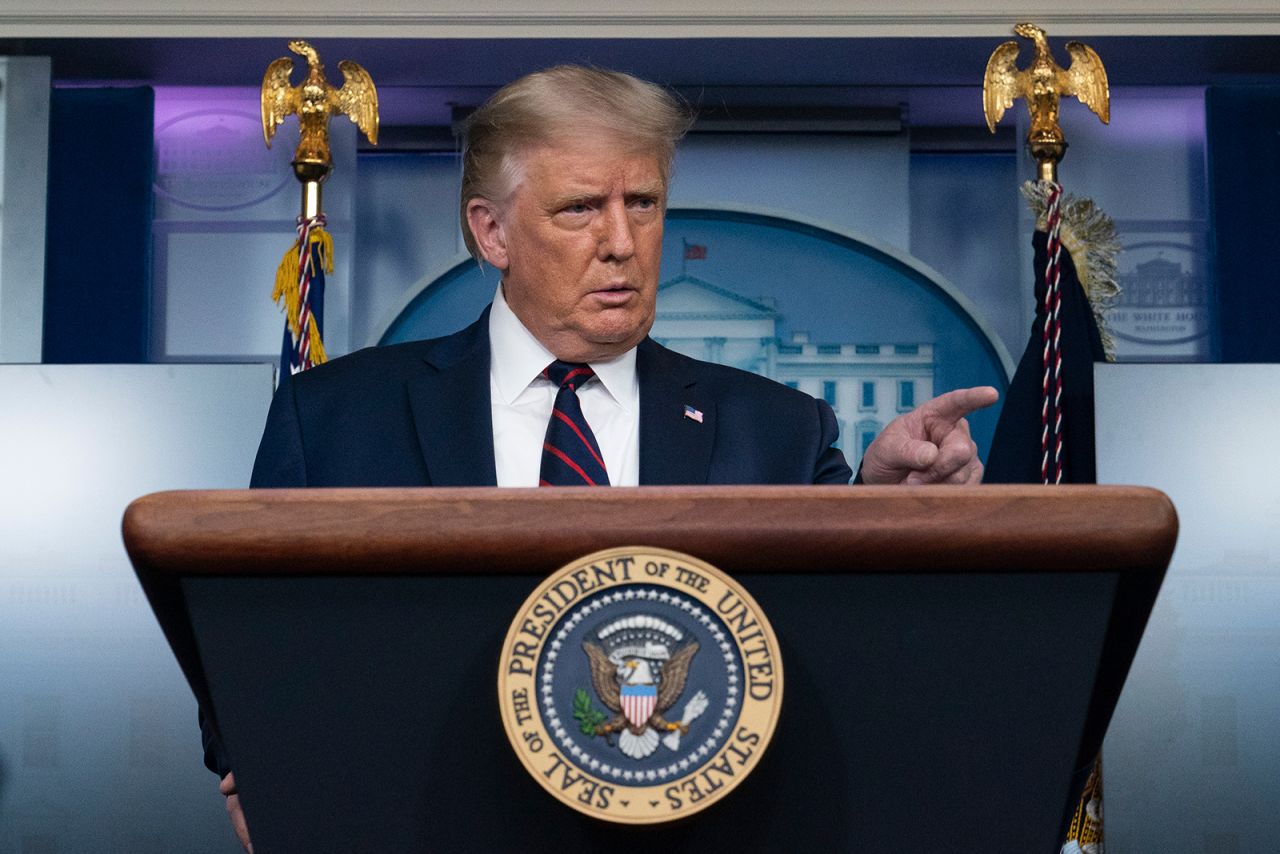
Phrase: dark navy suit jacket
(418, 414)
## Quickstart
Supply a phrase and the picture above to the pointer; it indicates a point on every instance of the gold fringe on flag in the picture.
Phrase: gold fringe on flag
(1085, 834)
(1090, 236)
(287, 289)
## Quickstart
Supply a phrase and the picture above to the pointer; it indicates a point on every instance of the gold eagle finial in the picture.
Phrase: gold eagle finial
(1043, 82)
(315, 101)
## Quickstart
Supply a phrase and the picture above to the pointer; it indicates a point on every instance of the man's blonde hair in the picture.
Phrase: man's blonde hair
(566, 100)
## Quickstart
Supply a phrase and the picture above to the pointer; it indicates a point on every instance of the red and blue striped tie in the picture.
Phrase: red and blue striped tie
(570, 454)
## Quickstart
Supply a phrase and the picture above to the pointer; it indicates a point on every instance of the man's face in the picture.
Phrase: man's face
(580, 241)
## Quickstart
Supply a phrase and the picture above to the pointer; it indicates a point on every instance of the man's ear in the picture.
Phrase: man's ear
(484, 218)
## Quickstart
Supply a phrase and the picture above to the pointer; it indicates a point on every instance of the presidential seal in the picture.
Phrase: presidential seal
(639, 685)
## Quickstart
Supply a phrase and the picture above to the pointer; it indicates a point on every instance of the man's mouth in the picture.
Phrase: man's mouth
(611, 294)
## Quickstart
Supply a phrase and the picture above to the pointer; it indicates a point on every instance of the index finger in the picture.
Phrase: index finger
(954, 405)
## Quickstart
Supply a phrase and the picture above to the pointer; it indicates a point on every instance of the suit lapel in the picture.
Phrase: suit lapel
(674, 448)
(451, 409)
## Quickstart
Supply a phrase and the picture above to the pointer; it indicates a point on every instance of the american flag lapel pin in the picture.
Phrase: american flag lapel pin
(692, 414)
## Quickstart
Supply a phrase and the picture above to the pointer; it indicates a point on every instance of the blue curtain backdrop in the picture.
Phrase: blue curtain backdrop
(97, 292)
(1243, 124)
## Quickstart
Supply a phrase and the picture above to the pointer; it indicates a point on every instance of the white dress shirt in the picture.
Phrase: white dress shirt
(522, 399)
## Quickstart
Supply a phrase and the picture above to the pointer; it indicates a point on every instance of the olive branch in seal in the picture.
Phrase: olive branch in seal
(588, 718)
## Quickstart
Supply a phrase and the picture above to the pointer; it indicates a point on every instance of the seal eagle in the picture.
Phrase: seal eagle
(655, 687)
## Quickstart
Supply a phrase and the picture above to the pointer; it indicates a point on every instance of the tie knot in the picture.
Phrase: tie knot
(571, 374)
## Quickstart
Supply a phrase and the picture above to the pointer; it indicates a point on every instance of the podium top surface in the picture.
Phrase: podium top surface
(775, 529)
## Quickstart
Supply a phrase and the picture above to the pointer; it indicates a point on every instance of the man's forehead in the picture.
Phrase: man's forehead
(589, 161)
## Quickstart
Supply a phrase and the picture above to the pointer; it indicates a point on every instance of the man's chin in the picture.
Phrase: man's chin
(600, 345)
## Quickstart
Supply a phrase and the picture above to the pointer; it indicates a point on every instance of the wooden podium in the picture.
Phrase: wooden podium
(952, 654)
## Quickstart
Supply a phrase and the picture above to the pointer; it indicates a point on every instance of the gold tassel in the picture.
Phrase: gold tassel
(286, 289)
(317, 346)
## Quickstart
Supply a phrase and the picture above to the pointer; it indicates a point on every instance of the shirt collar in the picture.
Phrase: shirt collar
(517, 359)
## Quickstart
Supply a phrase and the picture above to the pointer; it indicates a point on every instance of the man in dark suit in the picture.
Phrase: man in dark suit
(565, 177)
(428, 405)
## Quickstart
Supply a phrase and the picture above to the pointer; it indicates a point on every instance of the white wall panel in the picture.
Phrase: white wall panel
(1191, 757)
(853, 183)
(99, 749)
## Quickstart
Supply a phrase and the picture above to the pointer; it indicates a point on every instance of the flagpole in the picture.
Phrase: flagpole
(311, 196)
(299, 285)
(1042, 83)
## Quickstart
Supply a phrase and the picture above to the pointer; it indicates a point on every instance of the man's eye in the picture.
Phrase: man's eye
(576, 208)
(646, 204)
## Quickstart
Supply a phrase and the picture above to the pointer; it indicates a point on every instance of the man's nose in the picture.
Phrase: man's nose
(615, 237)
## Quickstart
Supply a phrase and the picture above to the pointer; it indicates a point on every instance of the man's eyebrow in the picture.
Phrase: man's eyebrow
(655, 190)
(574, 199)
(651, 191)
